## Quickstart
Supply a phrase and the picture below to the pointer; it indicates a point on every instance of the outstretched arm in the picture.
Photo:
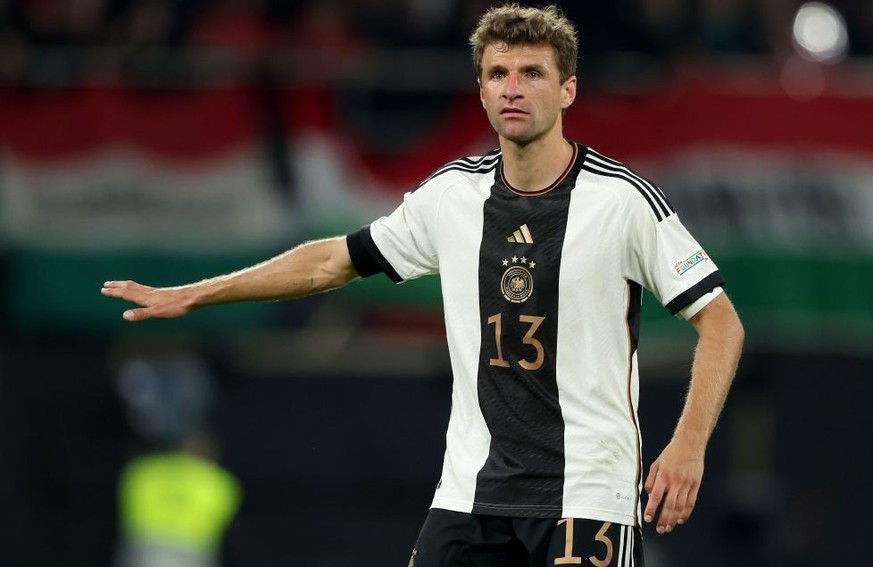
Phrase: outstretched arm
(674, 478)
(309, 268)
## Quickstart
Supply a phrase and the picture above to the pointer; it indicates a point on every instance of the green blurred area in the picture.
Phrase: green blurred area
(59, 291)
(791, 299)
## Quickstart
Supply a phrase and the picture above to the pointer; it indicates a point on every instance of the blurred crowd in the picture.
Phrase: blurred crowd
(56, 40)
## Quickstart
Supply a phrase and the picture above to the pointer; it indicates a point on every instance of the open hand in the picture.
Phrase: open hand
(154, 302)
(673, 481)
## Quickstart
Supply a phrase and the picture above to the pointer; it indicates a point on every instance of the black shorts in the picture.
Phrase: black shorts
(456, 539)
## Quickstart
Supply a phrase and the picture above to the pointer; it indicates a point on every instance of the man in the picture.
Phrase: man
(543, 248)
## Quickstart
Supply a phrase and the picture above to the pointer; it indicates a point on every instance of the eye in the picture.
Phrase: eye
(498, 75)
(533, 75)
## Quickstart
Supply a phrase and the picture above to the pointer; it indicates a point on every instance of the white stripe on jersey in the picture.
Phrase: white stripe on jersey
(468, 439)
(620, 561)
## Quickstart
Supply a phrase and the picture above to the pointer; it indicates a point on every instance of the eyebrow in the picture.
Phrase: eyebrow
(534, 67)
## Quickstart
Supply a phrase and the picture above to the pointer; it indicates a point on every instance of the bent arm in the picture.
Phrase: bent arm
(674, 478)
(310, 268)
(720, 341)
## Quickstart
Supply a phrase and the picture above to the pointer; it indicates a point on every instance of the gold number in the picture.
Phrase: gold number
(604, 539)
(498, 328)
(568, 558)
(535, 322)
(528, 339)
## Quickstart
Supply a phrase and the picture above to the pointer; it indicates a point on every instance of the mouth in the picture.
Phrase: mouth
(513, 112)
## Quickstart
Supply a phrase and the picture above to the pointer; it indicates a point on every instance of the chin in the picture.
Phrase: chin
(520, 138)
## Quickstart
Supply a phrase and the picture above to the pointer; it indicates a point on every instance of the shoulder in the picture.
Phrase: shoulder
(626, 185)
(466, 168)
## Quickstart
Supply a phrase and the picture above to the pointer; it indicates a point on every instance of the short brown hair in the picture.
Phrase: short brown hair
(513, 24)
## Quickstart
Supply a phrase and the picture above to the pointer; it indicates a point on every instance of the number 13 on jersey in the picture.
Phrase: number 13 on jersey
(601, 540)
(533, 323)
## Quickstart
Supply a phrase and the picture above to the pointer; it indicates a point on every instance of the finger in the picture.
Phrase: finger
(690, 502)
(667, 517)
(128, 291)
(650, 479)
(111, 291)
(656, 494)
(113, 288)
(682, 504)
(673, 508)
(120, 284)
(109, 287)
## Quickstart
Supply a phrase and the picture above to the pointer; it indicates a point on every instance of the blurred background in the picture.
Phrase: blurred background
(171, 140)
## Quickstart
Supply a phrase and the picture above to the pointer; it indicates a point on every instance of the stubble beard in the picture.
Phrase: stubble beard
(522, 137)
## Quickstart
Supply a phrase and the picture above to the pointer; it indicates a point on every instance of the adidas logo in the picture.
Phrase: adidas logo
(521, 236)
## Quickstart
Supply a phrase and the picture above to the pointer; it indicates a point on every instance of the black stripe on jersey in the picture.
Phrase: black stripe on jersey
(523, 474)
(654, 187)
(641, 184)
(659, 195)
(483, 169)
(366, 257)
(635, 306)
(482, 165)
(476, 162)
(696, 291)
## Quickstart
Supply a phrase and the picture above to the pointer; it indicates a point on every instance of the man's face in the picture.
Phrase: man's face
(521, 91)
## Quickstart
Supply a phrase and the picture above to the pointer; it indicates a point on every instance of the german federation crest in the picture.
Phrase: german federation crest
(517, 283)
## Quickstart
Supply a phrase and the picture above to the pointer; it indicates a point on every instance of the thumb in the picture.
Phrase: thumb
(135, 315)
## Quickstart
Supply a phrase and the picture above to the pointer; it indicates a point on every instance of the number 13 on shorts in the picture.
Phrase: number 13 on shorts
(594, 543)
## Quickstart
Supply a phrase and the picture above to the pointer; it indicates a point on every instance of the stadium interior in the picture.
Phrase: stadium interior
(167, 141)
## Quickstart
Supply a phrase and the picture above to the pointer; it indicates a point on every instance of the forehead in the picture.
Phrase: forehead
(507, 55)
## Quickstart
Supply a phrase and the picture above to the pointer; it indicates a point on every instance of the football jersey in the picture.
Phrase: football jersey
(542, 294)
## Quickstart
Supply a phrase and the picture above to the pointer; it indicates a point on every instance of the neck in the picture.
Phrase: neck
(535, 166)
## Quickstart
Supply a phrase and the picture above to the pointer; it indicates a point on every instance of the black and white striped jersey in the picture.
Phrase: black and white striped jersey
(542, 295)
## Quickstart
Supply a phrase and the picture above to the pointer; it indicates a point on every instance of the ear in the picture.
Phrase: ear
(568, 92)
(481, 94)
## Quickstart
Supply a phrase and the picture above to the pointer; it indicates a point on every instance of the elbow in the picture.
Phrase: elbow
(739, 332)
(732, 330)
(332, 276)
(331, 265)
(327, 279)
(340, 278)
(736, 324)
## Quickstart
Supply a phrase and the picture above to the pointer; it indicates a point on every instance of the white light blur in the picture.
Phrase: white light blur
(820, 33)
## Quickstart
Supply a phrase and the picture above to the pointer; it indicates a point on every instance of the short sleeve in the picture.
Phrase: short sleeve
(403, 244)
(694, 308)
(663, 257)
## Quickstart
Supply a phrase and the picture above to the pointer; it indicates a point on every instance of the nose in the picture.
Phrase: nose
(511, 89)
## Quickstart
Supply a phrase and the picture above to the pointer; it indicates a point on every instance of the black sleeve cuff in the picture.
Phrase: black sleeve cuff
(697, 291)
(366, 257)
